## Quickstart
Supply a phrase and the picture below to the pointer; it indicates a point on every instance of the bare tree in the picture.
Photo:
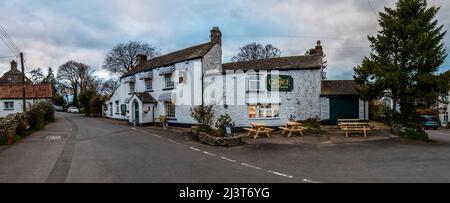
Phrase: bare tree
(36, 75)
(123, 56)
(74, 77)
(256, 51)
(108, 87)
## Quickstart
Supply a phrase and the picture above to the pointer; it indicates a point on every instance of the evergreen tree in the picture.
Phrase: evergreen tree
(405, 58)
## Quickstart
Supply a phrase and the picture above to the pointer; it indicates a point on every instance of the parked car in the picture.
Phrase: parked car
(58, 108)
(73, 109)
(430, 122)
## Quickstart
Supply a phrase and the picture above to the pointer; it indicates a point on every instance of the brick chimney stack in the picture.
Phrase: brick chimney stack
(141, 58)
(319, 49)
(13, 65)
(216, 36)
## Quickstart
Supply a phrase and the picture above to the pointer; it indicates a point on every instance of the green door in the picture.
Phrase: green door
(136, 112)
(343, 108)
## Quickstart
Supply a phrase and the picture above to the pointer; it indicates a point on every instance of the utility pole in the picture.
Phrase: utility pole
(23, 84)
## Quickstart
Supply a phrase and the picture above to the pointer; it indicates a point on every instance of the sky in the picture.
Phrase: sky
(52, 32)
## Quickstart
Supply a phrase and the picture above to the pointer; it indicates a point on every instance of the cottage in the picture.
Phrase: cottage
(270, 91)
(11, 94)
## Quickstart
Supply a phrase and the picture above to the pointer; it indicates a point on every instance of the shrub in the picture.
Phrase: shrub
(204, 116)
(414, 134)
(39, 114)
(312, 123)
(223, 120)
(22, 124)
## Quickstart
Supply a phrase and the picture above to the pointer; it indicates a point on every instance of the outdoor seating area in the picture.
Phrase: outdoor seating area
(354, 125)
(290, 128)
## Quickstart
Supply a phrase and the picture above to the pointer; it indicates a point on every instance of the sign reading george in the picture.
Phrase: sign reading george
(123, 108)
(280, 82)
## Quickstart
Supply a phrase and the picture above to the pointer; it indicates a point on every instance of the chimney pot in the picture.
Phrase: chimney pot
(141, 58)
(216, 36)
(13, 65)
(319, 49)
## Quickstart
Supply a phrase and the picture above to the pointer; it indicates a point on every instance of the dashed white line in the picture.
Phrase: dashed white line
(195, 149)
(172, 141)
(251, 166)
(227, 159)
(205, 152)
(280, 174)
(133, 128)
(309, 181)
(155, 135)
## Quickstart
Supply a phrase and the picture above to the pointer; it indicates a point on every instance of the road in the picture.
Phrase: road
(81, 149)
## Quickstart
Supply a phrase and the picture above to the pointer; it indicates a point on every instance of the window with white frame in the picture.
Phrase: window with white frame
(132, 87)
(170, 109)
(264, 111)
(148, 84)
(117, 107)
(168, 81)
(8, 106)
(254, 83)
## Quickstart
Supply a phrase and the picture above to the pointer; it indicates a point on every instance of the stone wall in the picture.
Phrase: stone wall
(9, 125)
(218, 141)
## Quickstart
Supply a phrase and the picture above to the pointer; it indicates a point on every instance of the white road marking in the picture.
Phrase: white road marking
(133, 128)
(53, 137)
(172, 141)
(195, 149)
(155, 135)
(230, 160)
(251, 166)
(309, 181)
(205, 152)
(280, 174)
(142, 131)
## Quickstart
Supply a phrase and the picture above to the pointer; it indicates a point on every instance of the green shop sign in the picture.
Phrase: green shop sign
(280, 82)
(123, 108)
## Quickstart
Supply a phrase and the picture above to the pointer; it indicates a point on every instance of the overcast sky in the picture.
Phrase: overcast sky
(52, 32)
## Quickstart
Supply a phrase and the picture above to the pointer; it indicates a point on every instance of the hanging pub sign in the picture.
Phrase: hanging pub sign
(283, 83)
(123, 108)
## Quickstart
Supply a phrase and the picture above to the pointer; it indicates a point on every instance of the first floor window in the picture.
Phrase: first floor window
(148, 84)
(253, 83)
(170, 109)
(168, 80)
(9, 106)
(132, 87)
(264, 111)
(446, 117)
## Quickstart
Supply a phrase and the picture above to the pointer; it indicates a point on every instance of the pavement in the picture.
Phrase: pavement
(81, 149)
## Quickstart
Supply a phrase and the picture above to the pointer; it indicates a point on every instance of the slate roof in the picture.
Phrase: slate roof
(281, 63)
(340, 88)
(13, 77)
(194, 52)
(145, 97)
(43, 91)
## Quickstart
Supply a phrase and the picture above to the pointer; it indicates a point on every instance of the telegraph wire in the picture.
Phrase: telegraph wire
(8, 41)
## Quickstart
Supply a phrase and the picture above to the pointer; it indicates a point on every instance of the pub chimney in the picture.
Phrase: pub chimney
(216, 36)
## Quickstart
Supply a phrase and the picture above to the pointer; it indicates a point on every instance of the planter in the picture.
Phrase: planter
(10, 140)
(218, 141)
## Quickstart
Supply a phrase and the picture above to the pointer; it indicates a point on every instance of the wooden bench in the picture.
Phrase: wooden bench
(292, 130)
(258, 131)
(160, 121)
(355, 127)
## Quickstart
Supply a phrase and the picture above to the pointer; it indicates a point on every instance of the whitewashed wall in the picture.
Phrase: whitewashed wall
(18, 108)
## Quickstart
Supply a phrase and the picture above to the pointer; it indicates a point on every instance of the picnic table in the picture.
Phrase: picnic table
(292, 127)
(258, 128)
(355, 127)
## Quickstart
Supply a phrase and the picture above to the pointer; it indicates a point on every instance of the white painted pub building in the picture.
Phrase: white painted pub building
(270, 91)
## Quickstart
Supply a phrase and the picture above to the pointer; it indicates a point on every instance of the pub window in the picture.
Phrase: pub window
(446, 117)
(264, 111)
(254, 83)
(9, 106)
(148, 84)
(168, 80)
(132, 87)
(170, 109)
(117, 107)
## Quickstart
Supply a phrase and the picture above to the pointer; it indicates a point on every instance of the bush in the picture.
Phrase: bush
(223, 120)
(414, 134)
(204, 115)
(22, 124)
(39, 114)
(312, 123)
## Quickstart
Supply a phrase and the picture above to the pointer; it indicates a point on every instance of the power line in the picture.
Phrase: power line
(373, 10)
(8, 41)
